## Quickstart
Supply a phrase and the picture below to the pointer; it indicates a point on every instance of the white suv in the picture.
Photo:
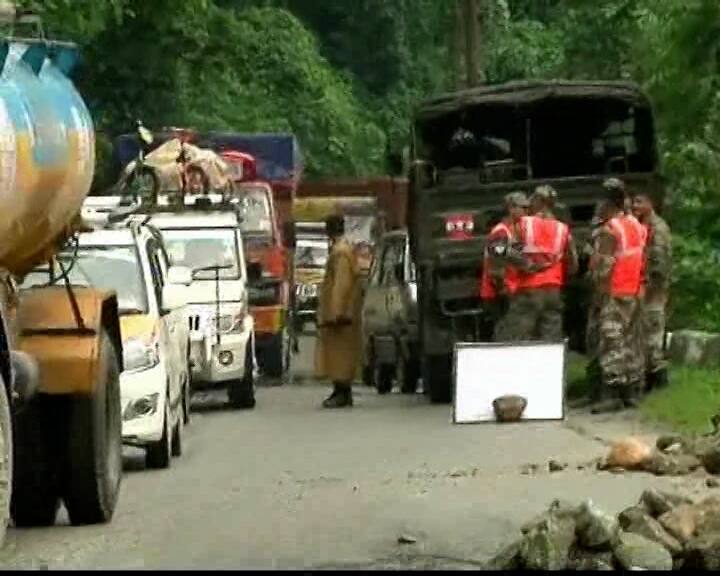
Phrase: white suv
(155, 382)
(209, 242)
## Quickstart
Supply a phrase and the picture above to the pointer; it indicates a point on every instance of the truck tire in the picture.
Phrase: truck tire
(6, 461)
(159, 454)
(410, 375)
(36, 480)
(384, 376)
(241, 393)
(273, 357)
(93, 460)
(437, 378)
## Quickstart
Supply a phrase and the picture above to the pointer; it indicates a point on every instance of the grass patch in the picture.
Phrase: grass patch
(690, 401)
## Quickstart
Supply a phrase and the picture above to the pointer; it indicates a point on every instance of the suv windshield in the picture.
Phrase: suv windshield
(104, 267)
(203, 248)
(255, 210)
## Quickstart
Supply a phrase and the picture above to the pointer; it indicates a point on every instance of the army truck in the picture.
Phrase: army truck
(60, 347)
(469, 149)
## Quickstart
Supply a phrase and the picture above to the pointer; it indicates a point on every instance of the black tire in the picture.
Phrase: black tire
(137, 181)
(384, 376)
(437, 379)
(36, 482)
(273, 357)
(92, 471)
(410, 375)
(158, 455)
(177, 438)
(241, 393)
(6, 460)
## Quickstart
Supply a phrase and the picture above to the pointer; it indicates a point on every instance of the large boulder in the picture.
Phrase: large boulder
(707, 520)
(547, 545)
(596, 530)
(637, 521)
(658, 503)
(711, 459)
(582, 560)
(634, 552)
(681, 522)
(672, 464)
(509, 558)
(703, 553)
(694, 348)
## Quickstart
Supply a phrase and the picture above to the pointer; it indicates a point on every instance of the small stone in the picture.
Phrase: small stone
(712, 483)
(662, 464)
(547, 545)
(637, 521)
(407, 539)
(529, 469)
(665, 442)
(457, 473)
(596, 529)
(703, 553)
(634, 552)
(711, 460)
(658, 503)
(555, 466)
(681, 522)
(509, 558)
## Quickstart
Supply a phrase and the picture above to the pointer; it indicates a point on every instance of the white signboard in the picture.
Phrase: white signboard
(484, 372)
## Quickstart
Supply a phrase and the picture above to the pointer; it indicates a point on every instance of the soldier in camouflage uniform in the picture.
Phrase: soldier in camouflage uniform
(658, 272)
(536, 313)
(618, 315)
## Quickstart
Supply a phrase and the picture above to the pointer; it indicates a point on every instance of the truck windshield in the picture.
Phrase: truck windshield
(312, 254)
(106, 268)
(198, 248)
(255, 211)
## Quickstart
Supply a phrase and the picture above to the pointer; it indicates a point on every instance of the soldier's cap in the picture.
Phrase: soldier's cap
(545, 192)
(517, 199)
(613, 184)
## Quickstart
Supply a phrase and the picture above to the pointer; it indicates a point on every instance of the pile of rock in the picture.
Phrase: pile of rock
(662, 532)
(672, 455)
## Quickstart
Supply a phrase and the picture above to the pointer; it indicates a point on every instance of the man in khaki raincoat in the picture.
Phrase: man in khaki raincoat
(339, 346)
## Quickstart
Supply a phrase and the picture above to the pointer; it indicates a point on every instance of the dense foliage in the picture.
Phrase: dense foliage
(344, 76)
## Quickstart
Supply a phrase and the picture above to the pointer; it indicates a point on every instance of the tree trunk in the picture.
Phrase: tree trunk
(459, 46)
(472, 37)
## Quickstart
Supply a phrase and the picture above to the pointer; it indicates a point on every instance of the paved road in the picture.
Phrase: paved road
(291, 486)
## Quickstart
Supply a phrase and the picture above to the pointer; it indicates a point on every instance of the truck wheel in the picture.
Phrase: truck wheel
(159, 454)
(241, 393)
(93, 461)
(384, 378)
(410, 375)
(437, 379)
(6, 461)
(274, 357)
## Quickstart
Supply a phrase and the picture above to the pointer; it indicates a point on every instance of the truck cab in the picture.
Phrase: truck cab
(209, 242)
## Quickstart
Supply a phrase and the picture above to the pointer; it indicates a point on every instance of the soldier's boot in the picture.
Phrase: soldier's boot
(341, 398)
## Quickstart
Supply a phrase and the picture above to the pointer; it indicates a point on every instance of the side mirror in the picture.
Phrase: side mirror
(289, 235)
(254, 272)
(174, 297)
(180, 276)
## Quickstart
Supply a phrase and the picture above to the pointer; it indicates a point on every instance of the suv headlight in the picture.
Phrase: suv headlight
(145, 406)
(139, 354)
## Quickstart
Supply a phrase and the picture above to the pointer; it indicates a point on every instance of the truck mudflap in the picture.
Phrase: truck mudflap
(61, 330)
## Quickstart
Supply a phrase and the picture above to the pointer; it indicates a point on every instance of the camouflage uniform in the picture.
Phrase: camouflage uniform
(535, 314)
(658, 270)
(618, 325)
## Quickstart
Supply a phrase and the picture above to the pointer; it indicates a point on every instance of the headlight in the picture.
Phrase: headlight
(145, 406)
(140, 355)
(229, 323)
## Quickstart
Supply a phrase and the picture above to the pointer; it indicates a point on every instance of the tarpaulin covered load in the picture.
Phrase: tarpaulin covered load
(277, 155)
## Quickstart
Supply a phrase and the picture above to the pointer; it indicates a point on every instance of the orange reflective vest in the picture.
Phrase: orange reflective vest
(630, 241)
(545, 241)
(487, 288)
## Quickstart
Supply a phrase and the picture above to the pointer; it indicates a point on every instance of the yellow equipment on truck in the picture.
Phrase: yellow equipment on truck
(60, 347)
